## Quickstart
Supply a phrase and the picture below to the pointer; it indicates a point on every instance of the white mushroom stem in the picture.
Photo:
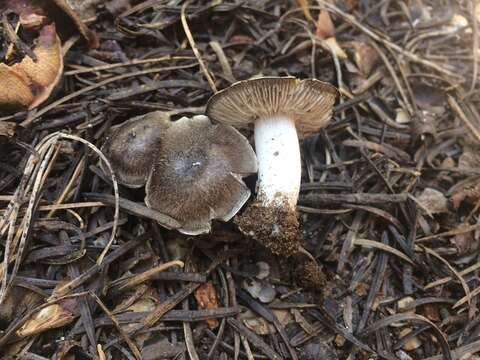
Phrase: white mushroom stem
(279, 164)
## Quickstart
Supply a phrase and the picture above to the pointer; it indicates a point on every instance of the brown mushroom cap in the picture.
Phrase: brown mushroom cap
(131, 146)
(198, 173)
(308, 102)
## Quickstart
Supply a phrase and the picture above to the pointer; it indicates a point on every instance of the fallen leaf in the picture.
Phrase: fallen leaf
(28, 83)
(325, 27)
(15, 92)
(50, 317)
(44, 74)
(207, 299)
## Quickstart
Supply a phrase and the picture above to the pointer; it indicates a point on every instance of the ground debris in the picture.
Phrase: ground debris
(389, 205)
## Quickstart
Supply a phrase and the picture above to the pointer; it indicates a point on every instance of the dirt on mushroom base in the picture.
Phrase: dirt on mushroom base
(276, 228)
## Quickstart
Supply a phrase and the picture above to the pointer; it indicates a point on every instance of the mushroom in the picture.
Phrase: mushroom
(131, 147)
(281, 109)
(197, 173)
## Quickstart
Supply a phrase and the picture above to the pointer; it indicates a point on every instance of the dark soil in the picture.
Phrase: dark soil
(275, 227)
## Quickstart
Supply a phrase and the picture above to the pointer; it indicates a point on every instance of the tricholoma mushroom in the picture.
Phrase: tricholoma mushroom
(281, 109)
(192, 168)
(131, 146)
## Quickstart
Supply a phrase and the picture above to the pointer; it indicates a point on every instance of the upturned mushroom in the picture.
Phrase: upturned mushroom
(281, 110)
(197, 173)
(131, 146)
(192, 168)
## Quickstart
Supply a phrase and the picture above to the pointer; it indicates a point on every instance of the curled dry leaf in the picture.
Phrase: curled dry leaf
(27, 83)
(50, 317)
(207, 299)
(325, 27)
(35, 13)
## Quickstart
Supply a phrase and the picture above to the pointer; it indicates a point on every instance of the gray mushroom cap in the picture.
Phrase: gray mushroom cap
(131, 146)
(308, 102)
(197, 173)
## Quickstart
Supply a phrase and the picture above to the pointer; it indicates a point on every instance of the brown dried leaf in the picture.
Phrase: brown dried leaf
(50, 317)
(35, 12)
(44, 74)
(325, 27)
(207, 299)
(28, 83)
(15, 92)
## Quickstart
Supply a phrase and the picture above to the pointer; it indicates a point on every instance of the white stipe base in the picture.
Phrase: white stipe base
(279, 164)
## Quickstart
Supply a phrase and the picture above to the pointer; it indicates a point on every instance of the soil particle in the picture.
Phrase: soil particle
(276, 228)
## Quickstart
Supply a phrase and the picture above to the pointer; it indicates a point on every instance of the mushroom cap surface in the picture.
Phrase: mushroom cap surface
(197, 174)
(308, 102)
(131, 147)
